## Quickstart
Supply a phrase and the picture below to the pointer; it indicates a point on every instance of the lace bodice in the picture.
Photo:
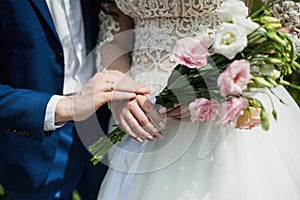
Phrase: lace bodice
(289, 13)
(160, 23)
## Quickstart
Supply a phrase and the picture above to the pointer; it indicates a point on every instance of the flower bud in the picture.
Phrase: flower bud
(261, 82)
(254, 103)
(271, 51)
(271, 80)
(275, 61)
(276, 38)
(265, 123)
(273, 26)
(287, 70)
(257, 41)
(274, 113)
(295, 65)
(269, 20)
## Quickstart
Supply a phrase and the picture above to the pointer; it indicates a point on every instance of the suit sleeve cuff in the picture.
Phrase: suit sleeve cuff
(49, 123)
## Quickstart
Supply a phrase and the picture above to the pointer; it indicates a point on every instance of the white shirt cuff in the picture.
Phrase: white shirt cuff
(49, 123)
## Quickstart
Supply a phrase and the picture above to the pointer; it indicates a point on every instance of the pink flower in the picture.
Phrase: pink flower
(235, 78)
(231, 110)
(249, 119)
(191, 52)
(204, 110)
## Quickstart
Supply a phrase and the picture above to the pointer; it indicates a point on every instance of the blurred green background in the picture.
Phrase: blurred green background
(294, 78)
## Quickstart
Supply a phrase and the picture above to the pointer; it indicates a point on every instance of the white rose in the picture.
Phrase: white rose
(231, 8)
(230, 39)
(246, 23)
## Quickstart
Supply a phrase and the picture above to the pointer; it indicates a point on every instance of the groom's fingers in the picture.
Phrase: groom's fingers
(119, 82)
(126, 84)
(116, 95)
(123, 87)
(129, 85)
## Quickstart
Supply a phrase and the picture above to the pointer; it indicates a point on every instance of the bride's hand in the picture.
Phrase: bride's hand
(179, 112)
(286, 30)
(138, 118)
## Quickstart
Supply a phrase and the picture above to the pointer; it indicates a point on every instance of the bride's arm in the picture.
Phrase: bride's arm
(115, 39)
(116, 42)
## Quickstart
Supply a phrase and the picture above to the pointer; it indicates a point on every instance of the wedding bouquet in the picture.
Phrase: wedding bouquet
(217, 80)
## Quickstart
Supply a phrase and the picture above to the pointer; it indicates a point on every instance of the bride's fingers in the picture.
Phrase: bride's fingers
(134, 125)
(129, 131)
(178, 111)
(150, 112)
(156, 119)
(185, 117)
(142, 118)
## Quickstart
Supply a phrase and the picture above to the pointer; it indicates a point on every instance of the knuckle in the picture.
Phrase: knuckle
(98, 74)
(130, 105)
(132, 122)
(144, 121)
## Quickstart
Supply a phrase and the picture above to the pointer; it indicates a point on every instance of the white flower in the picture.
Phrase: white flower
(231, 8)
(230, 39)
(205, 38)
(246, 23)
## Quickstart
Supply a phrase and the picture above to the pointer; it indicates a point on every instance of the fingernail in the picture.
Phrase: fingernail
(145, 89)
(150, 137)
(159, 135)
(140, 140)
(162, 110)
(161, 125)
(132, 95)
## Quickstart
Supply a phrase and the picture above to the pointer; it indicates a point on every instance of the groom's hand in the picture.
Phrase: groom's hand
(100, 89)
(138, 118)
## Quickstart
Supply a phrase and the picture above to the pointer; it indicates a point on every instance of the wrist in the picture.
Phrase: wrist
(64, 110)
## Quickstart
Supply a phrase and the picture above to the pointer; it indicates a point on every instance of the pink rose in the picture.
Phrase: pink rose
(235, 78)
(191, 52)
(231, 110)
(204, 110)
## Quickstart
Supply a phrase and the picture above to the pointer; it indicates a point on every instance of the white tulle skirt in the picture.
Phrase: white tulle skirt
(199, 161)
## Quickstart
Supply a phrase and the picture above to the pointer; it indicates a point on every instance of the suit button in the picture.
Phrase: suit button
(24, 133)
(19, 132)
(59, 57)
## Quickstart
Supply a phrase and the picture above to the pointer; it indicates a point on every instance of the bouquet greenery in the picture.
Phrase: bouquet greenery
(217, 77)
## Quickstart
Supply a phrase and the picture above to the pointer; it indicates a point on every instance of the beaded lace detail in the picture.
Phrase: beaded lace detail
(160, 23)
(289, 13)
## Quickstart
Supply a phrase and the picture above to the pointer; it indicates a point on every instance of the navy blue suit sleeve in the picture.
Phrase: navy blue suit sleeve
(23, 111)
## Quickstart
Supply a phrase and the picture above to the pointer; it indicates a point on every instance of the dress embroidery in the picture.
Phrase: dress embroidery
(159, 25)
(289, 13)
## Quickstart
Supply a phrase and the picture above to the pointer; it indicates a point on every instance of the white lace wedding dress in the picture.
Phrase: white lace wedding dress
(199, 161)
